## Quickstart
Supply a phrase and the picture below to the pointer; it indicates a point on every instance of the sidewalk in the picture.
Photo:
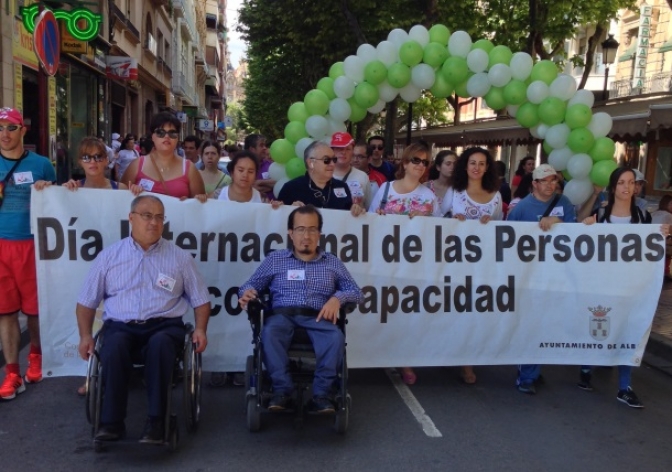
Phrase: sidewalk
(659, 350)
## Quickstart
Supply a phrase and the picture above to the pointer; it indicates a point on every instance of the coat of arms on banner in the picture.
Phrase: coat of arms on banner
(599, 323)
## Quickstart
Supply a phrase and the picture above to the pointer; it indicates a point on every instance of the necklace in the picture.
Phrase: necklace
(319, 194)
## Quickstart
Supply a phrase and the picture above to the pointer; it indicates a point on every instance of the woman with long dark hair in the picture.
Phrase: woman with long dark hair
(440, 179)
(525, 166)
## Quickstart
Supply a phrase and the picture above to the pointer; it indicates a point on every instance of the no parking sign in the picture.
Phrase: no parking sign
(47, 41)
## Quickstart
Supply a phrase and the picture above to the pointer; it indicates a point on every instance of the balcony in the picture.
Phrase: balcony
(656, 83)
(182, 88)
(184, 12)
(150, 45)
(120, 18)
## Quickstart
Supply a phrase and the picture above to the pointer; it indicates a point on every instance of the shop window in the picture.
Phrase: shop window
(662, 179)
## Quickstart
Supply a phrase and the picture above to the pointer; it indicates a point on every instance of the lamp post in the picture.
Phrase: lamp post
(609, 48)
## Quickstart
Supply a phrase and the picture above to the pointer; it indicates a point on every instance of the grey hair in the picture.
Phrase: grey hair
(313, 145)
(137, 200)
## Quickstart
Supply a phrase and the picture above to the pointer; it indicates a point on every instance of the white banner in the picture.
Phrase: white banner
(437, 291)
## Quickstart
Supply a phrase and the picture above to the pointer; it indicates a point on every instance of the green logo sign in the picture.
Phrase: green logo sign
(73, 19)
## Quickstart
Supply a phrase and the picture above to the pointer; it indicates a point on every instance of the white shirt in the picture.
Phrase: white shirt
(224, 195)
(463, 205)
(358, 183)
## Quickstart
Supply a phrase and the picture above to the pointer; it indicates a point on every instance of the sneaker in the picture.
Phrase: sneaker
(322, 405)
(629, 398)
(584, 381)
(154, 431)
(527, 388)
(11, 386)
(34, 372)
(279, 402)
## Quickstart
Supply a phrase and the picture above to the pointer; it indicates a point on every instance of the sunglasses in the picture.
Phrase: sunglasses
(94, 157)
(161, 133)
(379, 147)
(11, 128)
(417, 160)
(327, 160)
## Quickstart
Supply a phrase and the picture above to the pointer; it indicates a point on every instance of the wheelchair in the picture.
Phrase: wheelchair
(301, 367)
(187, 369)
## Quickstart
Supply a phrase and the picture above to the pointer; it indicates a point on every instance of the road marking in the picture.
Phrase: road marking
(413, 404)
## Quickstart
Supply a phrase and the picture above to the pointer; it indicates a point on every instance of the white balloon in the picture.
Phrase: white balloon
(334, 126)
(420, 34)
(367, 53)
(353, 67)
(583, 96)
(339, 109)
(410, 93)
(278, 186)
(387, 53)
(557, 135)
(499, 75)
(537, 91)
(579, 166)
(377, 108)
(344, 87)
(542, 129)
(478, 85)
(521, 65)
(397, 37)
(563, 87)
(459, 44)
(558, 158)
(423, 76)
(600, 124)
(512, 110)
(533, 132)
(301, 146)
(477, 60)
(317, 126)
(578, 190)
(386, 92)
(277, 171)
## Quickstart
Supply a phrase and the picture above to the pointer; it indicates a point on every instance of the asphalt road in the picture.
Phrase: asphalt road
(489, 426)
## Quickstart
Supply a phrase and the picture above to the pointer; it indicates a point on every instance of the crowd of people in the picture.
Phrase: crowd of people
(341, 174)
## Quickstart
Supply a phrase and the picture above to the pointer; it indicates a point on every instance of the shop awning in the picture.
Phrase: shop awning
(667, 46)
(630, 52)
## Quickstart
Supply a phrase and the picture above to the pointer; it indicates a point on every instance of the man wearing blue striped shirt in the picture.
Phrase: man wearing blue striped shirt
(308, 288)
(147, 285)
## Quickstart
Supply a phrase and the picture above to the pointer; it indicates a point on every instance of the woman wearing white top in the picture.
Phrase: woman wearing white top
(125, 156)
(242, 168)
(440, 180)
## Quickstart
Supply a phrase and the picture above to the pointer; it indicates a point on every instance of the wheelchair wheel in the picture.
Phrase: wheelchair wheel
(253, 414)
(192, 386)
(342, 415)
(174, 433)
(92, 387)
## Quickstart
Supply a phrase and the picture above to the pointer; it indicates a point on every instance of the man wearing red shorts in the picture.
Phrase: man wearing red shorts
(19, 170)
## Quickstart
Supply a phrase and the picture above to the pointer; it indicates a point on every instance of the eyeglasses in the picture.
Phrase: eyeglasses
(380, 147)
(417, 160)
(149, 217)
(10, 128)
(311, 231)
(548, 182)
(359, 156)
(161, 133)
(326, 160)
(94, 157)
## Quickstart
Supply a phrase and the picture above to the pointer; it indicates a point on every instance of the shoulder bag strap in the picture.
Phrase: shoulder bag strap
(383, 202)
(551, 206)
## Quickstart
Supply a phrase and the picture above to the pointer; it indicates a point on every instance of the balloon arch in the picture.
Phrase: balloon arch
(540, 99)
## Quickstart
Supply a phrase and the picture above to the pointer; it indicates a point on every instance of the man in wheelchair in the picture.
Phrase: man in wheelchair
(308, 287)
(147, 285)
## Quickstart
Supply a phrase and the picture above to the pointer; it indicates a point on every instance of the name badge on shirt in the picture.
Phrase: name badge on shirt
(296, 274)
(146, 184)
(340, 192)
(558, 211)
(23, 178)
(165, 282)
(264, 175)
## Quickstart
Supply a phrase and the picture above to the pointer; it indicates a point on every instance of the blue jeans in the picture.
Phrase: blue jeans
(528, 373)
(328, 342)
(624, 374)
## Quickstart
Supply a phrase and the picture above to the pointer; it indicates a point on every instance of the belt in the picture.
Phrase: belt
(149, 321)
(295, 311)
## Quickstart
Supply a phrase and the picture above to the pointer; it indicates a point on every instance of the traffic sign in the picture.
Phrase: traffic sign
(47, 41)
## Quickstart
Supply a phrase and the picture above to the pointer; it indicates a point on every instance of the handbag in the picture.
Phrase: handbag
(4, 182)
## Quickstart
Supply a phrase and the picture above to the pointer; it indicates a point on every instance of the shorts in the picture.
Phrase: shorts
(18, 277)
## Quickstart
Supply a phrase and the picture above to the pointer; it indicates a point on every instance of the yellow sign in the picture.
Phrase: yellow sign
(51, 87)
(18, 87)
(70, 44)
(22, 42)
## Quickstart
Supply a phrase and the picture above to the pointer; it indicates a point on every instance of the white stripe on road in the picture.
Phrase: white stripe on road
(413, 404)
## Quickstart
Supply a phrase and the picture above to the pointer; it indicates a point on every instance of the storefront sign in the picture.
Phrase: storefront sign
(642, 51)
(206, 125)
(22, 46)
(70, 44)
(18, 86)
(81, 23)
(51, 89)
(122, 67)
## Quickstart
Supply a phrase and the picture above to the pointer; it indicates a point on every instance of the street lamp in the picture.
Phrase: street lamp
(609, 48)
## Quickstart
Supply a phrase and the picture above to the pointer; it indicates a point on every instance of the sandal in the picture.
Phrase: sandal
(408, 376)
(468, 376)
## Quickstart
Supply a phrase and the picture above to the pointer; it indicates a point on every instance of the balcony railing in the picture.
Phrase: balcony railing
(656, 83)
(185, 13)
(182, 87)
(124, 20)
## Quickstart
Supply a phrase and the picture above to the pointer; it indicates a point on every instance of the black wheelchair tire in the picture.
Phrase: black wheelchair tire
(253, 415)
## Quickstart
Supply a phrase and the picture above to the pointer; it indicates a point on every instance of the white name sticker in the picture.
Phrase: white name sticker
(340, 192)
(166, 283)
(146, 184)
(558, 211)
(23, 178)
(296, 274)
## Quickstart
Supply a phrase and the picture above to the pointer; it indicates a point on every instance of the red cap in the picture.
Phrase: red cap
(12, 115)
(341, 140)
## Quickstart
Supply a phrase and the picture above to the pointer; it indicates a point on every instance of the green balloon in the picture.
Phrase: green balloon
(484, 44)
(282, 151)
(375, 72)
(601, 171)
(552, 111)
(326, 84)
(294, 131)
(566, 175)
(546, 71)
(439, 34)
(435, 54)
(527, 115)
(297, 112)
(461, 88)
(399, 75)
(410, 53)
(455, 70)
(499, 55)
(442, 88)
(580, 140)
(495, 98)
(317, 102)
(366, 95)
(515, 92)
(295, 167)
(603, 149)
(357, 113)
(547, 148)
(578, 116)
(336, 70)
